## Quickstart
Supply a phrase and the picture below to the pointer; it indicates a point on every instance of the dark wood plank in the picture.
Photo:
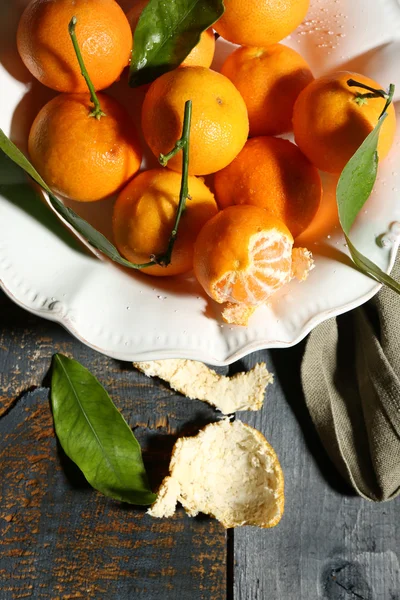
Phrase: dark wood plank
(59, 538)
(330, 543)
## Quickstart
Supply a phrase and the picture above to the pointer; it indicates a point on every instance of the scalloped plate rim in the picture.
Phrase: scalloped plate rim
(197, 355)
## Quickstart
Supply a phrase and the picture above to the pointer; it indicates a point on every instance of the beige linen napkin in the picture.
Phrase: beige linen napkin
(351, 381)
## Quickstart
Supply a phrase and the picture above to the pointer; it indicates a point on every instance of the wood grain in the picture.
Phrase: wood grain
(60, 539)
(330, 543)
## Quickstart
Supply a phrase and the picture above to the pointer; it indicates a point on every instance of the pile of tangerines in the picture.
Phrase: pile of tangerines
(267, 190)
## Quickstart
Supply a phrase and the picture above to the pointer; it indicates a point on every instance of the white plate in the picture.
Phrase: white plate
(131, 316)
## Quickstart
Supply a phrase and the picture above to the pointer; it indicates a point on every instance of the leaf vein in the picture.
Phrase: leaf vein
(112, 468)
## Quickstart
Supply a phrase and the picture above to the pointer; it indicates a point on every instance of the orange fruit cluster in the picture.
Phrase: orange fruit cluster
(267, 189)
(80, 157)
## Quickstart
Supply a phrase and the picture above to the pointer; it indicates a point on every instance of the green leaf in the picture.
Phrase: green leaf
(369, 268)
(166, 33)
(355, 185)
(16, 155)
(358, 179)
(94, 434)
(88, 232)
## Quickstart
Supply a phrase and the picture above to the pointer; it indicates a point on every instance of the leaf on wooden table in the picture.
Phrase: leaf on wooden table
(93, 433)
(166, 33)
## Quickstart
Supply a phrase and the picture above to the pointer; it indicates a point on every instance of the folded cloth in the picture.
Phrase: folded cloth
(351, 381)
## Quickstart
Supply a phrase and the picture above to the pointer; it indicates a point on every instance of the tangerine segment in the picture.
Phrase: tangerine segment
(219, 127)
(329, 123)
(80, 157)
(103, 34)
(200, 56)
(144, 215)
(273, 174)
(269, 80)
(242, 256)
(269, 267)
(260, 22)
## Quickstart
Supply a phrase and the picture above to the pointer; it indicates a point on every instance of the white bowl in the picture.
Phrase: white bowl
(131, 316)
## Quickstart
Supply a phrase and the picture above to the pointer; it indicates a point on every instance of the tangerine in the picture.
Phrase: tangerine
(80, 157)
(203, 53)
(273, 174)
(45, 46)
(144, 216)
(200, 56)
(269, 81)
(242, 256)
(330, 121)
(219, 127)
(260, 22)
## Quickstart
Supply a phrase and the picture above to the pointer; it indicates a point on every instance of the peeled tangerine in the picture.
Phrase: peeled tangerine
(242, 256)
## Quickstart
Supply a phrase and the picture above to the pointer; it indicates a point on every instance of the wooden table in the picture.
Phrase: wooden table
(59, 539)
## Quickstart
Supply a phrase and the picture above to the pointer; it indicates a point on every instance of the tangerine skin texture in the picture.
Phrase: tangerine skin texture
(80, 157)
(329, 125)
(223, 245)
(203, 53)
(144, 216)
(45, 46)
(273, 174)
(220, 123)
(260, 22)
(200, 56)
(269, 81)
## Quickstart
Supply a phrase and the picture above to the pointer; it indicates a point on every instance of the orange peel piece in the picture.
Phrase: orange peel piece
(302, 263)
(229, 471)
(242, 391)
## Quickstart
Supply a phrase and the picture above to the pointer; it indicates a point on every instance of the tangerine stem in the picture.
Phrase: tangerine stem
(164, 158)
(389, 99)
(374, 93)
(97, 113)
(182, 144)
